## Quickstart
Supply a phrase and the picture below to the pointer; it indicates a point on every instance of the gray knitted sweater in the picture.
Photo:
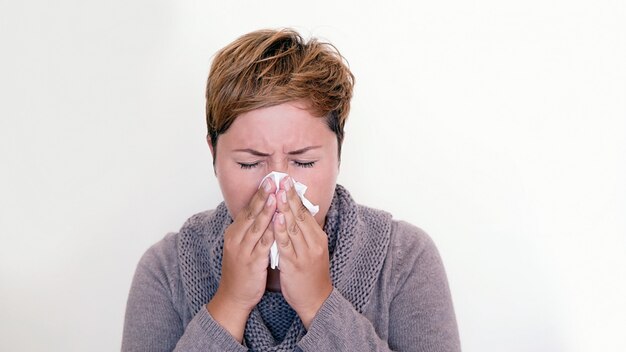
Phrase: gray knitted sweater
(390, 291)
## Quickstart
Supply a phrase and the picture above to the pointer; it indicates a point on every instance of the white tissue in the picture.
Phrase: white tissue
(300, 189)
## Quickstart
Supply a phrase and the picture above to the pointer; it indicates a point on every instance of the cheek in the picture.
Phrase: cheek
(238, 187)
(321, 186)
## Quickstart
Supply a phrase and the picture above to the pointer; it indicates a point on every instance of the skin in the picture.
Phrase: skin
(260, 216)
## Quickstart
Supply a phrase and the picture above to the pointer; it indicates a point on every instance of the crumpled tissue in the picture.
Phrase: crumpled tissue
(300, 190)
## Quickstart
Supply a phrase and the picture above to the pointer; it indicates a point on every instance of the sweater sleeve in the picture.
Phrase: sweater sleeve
(339, 327)
(154, 321)
(421, 316)
(421, 313)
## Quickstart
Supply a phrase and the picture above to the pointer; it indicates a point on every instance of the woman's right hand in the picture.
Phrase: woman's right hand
(247, 243)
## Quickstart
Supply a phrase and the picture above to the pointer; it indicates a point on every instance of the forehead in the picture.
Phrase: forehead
(287, 125)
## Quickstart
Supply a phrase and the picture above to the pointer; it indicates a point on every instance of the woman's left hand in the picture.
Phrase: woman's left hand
(304, 261)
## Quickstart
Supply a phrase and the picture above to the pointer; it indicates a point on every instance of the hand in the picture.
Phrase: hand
(304, 261)
(247, 243)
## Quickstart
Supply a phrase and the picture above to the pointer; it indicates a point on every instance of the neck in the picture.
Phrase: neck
(273, 280)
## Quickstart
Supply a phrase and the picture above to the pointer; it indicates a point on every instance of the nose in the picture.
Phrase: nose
(279, 166)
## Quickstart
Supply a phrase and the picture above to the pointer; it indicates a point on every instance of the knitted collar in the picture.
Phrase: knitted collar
(358, 238)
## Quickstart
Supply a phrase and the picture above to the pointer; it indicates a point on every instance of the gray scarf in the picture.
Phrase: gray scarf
(358, 238)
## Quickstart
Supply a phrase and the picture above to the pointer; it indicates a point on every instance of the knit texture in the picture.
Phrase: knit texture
(409, 307)
(277, 314)
(356, 259)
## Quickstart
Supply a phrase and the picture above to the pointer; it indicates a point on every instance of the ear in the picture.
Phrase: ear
(339, 155)
(208, 140)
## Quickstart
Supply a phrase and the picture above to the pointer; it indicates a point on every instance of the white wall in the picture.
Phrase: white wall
(501, 124)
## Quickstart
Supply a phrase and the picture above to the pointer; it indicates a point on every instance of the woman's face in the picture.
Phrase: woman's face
(284, 138)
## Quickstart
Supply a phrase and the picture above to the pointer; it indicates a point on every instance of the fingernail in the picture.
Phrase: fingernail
(288, 183)
(283, 196)
(270, 200)
(281, 219)
(266, 185)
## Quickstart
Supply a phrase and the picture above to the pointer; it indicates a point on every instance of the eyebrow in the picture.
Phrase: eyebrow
(295, 152)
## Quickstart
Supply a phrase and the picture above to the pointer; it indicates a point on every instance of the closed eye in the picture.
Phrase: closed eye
(253, 165)
(309, 164)
(248, 166)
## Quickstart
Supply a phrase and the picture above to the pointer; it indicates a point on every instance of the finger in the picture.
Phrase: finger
(291, 225)
(305, 221)
(256, 231)
(263, 245)
(246, 217)
(285, 246)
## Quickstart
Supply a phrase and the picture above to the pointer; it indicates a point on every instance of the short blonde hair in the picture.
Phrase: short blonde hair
(271, 67)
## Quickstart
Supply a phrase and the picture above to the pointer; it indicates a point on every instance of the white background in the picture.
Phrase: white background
(497, 126)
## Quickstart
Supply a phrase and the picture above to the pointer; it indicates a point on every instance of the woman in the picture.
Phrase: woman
(350, 278)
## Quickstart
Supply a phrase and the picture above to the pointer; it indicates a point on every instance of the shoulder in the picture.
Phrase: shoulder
(410, 249)
(405, 238)
(412, 255)
(161, 260)
(410, 240)
(163, 255)
(198, 223)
